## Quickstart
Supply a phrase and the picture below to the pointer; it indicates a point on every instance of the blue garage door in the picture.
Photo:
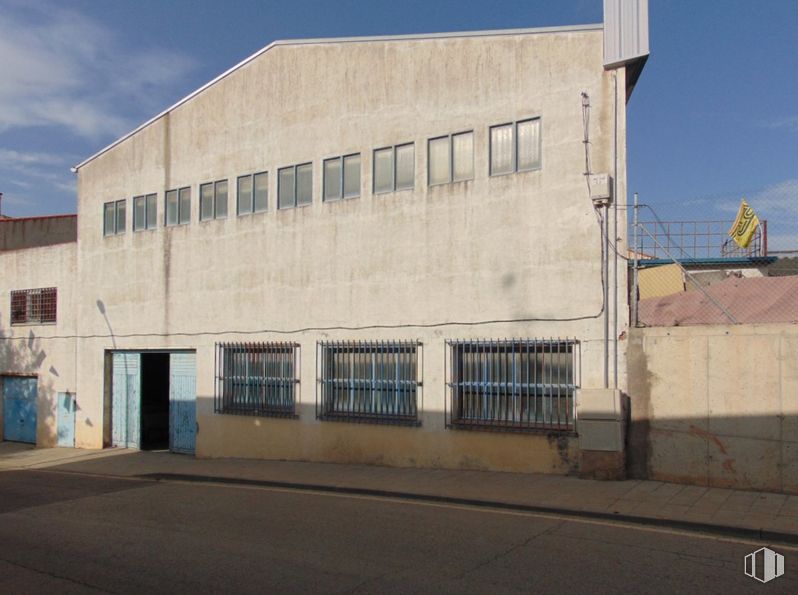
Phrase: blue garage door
(182, 402)
(126, 400)
(19, 409)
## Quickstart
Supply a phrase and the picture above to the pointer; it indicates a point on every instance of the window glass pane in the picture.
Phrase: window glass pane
(463, 155)
(438, 160)
(383, 170)
(108, 219)
(304, 184)
(351, 176)
(501, 149)
(285, 188)
(185, 205)
(171, 207)
(221, 199)
(529, 144)
(152, 211)
(120, 216)
(261, 191)
(405, 166)
(244, 195)
(332, 179)
(206, 202)
(139, 213)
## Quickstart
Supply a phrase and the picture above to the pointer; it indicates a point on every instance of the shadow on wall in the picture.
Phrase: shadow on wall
(27, 356)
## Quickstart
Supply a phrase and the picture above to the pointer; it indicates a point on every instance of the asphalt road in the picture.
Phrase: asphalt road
(69, 533)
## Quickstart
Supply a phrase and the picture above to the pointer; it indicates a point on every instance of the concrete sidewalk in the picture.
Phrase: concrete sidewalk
(753, 515)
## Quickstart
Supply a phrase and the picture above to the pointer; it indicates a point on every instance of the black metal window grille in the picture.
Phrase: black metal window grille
(34, 306)
(257, 379)
(372, 382)
(512, 384)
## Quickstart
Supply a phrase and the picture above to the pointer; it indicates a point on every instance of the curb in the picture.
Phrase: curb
(760, 535)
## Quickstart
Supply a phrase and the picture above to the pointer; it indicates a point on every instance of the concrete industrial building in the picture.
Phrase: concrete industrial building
(353, 250)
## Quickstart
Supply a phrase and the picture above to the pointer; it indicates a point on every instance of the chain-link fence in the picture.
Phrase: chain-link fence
(702, 261)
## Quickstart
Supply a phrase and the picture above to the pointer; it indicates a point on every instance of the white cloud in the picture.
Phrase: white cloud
(61, 68)
(14, 159)
(777, 200)
(788, 123)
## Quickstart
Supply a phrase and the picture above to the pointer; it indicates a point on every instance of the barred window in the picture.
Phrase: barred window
(373, 382)
(34, 306)
(515, 384)
(256, 379)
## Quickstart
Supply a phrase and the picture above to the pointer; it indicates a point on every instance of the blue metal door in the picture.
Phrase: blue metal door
(19, 409)
(126, 400)
(66, 419)
(182, 402)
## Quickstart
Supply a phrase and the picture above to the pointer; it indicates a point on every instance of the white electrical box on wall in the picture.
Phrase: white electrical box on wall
(601, 189)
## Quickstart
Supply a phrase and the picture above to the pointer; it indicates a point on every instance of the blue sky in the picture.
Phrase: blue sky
(714, 116)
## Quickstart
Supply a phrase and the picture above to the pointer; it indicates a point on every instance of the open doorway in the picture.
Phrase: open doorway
(154, 401)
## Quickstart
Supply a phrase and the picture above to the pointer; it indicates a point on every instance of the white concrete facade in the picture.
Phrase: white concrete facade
(516, 255)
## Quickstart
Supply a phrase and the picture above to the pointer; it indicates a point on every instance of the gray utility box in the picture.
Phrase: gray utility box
(601, 419)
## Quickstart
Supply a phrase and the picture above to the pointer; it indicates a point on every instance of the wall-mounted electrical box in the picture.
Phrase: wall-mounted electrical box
(600, 189)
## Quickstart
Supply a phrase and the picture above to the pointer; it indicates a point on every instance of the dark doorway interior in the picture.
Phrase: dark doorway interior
(154, 401)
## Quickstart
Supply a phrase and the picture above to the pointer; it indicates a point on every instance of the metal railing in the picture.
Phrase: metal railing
(34, 306)
(368, 381)
(256, 379)
(512, 384)
(695, 240)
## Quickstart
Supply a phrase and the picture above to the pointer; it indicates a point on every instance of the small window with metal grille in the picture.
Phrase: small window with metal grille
(372, 382)
(256, 379)
(34, 306)
(512, 384)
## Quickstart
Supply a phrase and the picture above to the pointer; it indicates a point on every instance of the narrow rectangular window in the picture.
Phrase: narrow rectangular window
(332, 179)
(405, 166)
(383, 170)
(120, 216)
(244, 206)
(371, 382)
(261, 192)
(256, 379)
(185, 205)
(438, 153)
(285, 188)
(206, 202)
(139, 213)
(304, 184)
(528, 134)
(172, 207)
(220, 199)
(109, 219)
(152, 211)
(462, 156)
(352, 175)
(502, 160)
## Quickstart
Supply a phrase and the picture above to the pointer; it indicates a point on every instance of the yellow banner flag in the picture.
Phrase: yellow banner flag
(744, 226)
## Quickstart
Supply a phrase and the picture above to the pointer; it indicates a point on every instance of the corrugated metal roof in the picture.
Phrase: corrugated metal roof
(290, 42)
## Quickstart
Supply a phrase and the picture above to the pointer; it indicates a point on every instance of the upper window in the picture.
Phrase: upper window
(342, 177)
(256, 378)
(368, 381)
(178, 206)
(394, 168)
(515, 147)
(253, 193)
(295, 186)
(451, 158)
(518, 384)
(34, 306)
(114, 218)
(145, 212)
(213, 200)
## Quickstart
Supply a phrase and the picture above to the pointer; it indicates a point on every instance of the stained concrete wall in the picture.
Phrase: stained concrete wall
(715, 405)
(521, 246)
(32, 232)
(29, 349)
